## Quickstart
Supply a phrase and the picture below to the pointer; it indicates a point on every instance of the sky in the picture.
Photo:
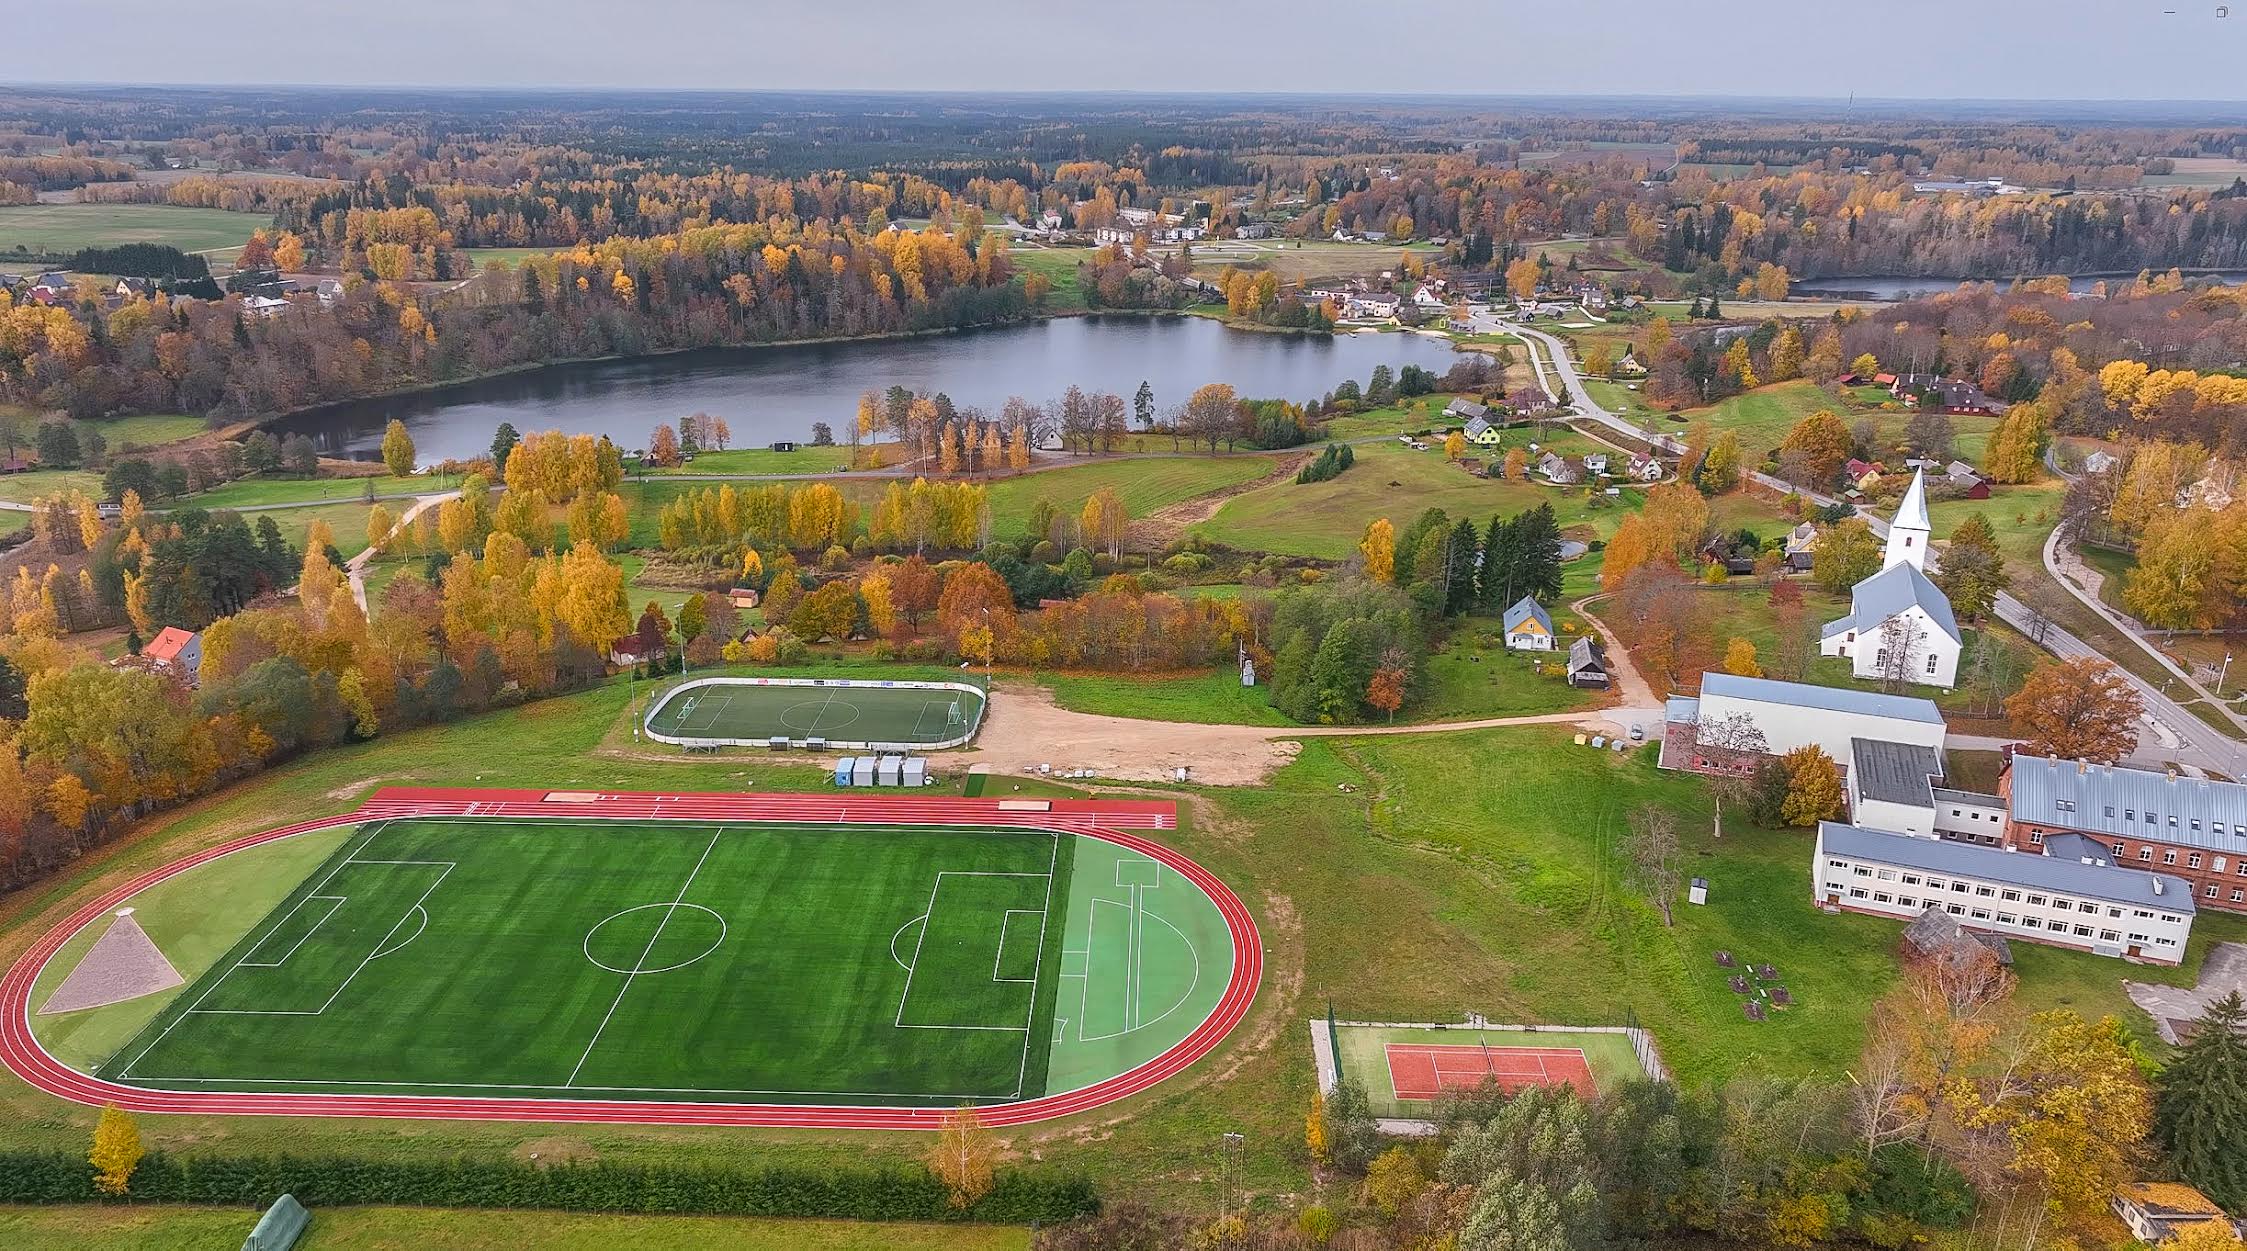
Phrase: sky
(1924, 49)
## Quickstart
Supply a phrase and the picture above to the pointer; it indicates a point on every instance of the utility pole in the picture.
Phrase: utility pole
(1228, 1196)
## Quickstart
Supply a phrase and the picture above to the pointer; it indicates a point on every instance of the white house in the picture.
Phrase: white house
(1790, 715)
(2080, 901)
(1646, 468)
(1529, 628)
(1900, 623)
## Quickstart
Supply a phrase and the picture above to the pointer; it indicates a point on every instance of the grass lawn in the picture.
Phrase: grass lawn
(1059, 266)
(84, 1228)
(1326, 519)
(347, 521)
(1204, 698)
(65, 228)
(747, 460)
(147, 430)
(510, 257)
(1473, 676)
(1145, 485)
(23, 488)
(1294, 260)
(1763, 416)
(247, 493)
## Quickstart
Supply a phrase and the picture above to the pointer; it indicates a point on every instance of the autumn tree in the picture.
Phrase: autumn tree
(2016, 447)
(116, 1151)
(663, 447)
(1378, 549)
(1104, 519)
(1813, 787)
(1737, 743)
(1655, 858)
(1822, 442)
(1385, 690)
(1454, 445)
(964, 1157)
(397, 449)
(1846, 555)
(1739, 658)
(2079, 709)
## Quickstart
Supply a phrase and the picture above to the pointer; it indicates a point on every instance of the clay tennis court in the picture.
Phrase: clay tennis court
(1423, 1071)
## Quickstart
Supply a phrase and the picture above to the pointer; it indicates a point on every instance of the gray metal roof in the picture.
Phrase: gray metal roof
(1892, 590)
(1583, 655)
(1475, 425)
(1896, 773)
(2130, 803)
(1524, 609)
(1824, 698)
(2111, 883)
(1681, 710)
(1946, 795)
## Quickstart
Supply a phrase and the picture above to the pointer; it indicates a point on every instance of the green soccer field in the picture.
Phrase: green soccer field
(743, 711)
(906, 966)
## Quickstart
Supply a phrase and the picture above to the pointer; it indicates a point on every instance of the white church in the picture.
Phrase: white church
(1900, 623)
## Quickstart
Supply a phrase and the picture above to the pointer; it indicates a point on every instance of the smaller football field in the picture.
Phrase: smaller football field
(748, 712)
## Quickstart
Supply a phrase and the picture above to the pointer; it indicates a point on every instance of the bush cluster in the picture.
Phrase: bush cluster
(866, 1193)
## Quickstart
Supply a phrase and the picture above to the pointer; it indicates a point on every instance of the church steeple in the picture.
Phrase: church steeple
(1909, 532)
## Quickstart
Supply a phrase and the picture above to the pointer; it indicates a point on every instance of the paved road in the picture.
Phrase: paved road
(2171, 732)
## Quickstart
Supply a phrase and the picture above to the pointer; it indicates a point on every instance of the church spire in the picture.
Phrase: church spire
(1909, 532)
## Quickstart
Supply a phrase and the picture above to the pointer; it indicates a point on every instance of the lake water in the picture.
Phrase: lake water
(773, 393)
(1878, 288)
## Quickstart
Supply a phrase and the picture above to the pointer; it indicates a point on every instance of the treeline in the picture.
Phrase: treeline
(705, 287)
(865, 1192)
(140, 260)
(93, 746)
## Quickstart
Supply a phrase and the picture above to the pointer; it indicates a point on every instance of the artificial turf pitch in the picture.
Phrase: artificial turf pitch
(742, 711)
(665, 960)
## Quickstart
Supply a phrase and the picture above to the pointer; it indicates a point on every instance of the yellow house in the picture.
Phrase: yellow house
(1528, 627)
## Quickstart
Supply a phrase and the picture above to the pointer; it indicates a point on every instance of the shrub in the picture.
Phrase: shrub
(1044, 552)
(873, 1192)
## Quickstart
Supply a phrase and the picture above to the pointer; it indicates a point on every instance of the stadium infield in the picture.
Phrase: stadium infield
(842, 712)
(703, 959)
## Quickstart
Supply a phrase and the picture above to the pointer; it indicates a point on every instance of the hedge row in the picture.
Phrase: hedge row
(870, 1193)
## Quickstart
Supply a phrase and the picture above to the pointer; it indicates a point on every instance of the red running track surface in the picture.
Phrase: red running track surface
(1418, 1071)
(1110, 820)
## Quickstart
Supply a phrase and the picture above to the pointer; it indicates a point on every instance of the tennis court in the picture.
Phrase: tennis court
(1404, 1069)
(740, 712)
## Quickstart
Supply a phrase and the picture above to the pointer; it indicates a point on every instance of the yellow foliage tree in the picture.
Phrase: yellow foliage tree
(116, 1151)
(1379, 548)
(1739, 659)
(964, 1157)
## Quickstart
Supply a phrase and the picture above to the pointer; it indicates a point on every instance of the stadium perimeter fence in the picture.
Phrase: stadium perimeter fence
(707, 742)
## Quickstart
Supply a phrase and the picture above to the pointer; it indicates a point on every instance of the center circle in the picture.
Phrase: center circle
(813, 718)
(654, 938)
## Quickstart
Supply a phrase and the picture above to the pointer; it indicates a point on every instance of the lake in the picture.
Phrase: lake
(1882, 288)
(769, 393)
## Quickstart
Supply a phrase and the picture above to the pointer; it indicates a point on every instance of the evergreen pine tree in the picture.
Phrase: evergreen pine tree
(2200, 1106)
(1498, 564)
(1459, 578)
(1536, 569)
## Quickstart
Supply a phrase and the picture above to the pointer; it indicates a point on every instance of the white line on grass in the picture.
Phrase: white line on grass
(626, 988)
(382, 948)
(334, 869)
(333, 901)
(1052, 864)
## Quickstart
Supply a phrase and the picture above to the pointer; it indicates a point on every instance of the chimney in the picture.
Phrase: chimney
(2157, 887)
(2172, 772)
(2082, 767)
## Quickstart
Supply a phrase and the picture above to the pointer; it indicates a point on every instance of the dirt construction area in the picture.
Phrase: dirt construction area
(1024, 729)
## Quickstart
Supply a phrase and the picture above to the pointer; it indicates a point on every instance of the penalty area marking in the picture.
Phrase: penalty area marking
(668, 908)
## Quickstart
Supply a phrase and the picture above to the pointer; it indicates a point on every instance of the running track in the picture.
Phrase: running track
(1111, 820)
